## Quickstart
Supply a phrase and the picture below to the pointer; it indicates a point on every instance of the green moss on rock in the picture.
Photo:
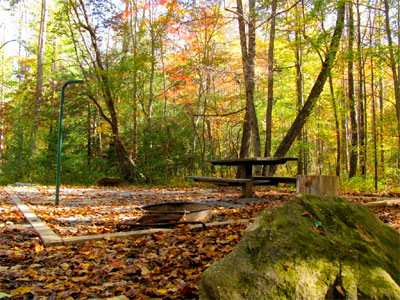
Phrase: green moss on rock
(310, 248)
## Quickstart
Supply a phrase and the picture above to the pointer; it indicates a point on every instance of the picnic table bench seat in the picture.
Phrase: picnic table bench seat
(220, 181)
(245, 170)
(268, 180)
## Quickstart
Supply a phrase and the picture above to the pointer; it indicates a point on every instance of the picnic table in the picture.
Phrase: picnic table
(246, 178)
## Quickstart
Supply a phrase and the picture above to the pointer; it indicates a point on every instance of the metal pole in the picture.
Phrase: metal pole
(60, 121)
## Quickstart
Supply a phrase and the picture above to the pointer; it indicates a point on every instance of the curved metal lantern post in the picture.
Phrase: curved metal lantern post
(60, 121)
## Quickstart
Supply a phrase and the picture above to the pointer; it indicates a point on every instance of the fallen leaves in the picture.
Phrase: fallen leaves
(163, 265)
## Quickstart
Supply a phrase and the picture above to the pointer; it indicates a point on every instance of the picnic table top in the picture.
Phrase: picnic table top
(252, 161)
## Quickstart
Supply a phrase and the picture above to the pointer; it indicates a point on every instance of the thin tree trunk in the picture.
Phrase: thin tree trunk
(133, 28)
(316, 90)
(374, 133)
(270, 100)
(302, 162)
(361, 97)
(381, 127)
(166, 143)
(337, 126)
(350, 78)
(126, 164)
(89, 133)
(39, 73)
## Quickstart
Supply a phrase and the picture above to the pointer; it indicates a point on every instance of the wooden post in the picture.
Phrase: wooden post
(245, 171)
(319, 185)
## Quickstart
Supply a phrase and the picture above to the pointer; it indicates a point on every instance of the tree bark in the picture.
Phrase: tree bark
(374, 131)
(134, 35)
(247, 45)
(350, 93)
(361, 97)
(270, 100)
(395, 75)
(316, 90)
(302, 161)
(89, 133)
(337, 126)
(39, 72)
(126, 164)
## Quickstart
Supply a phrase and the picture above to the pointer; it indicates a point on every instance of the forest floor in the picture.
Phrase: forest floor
(161, 265)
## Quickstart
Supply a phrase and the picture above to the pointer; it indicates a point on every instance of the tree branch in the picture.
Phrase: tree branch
(220, 115)
(100, 109)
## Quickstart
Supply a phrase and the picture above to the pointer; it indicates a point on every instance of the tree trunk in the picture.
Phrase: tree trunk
(316, 90)
(395, 75)
(247, 44)
(350, 93)
(381, 127)
(126, 164)
(268, 119)
(337, 126)
(2, 110)
(89, 133)
(39, 73)
(361, 97)
(302, 161)
(374, 132)
(134, 34)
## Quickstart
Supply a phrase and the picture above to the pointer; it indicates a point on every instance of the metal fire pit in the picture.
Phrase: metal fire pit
(171, 214)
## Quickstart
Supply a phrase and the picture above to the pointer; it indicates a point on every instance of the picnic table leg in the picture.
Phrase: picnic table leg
(246, 171)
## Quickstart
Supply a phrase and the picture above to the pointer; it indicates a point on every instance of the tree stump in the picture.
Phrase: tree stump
(319, 185)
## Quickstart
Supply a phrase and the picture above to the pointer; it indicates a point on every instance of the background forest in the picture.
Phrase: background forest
(169, 84)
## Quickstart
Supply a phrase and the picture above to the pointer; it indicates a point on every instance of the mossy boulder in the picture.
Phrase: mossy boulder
(310, 248)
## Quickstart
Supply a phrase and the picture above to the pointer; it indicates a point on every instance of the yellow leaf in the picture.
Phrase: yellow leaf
(64, 266)
(232, 237)
(162, 291)
(145, 270)
(50, 285)
(21, 290)
(23, 279)
(85, 265)
(122, 297)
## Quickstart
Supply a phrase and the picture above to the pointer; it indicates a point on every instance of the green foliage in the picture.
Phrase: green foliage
(367, 184)
(173, 71)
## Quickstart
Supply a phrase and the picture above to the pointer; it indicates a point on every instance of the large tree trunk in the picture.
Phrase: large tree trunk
(247, 44)
(39, 72)
(316, 90)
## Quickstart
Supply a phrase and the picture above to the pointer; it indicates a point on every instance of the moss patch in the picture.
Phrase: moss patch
(310, 248)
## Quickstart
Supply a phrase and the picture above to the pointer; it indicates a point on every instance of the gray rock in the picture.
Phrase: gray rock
(310, 248)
